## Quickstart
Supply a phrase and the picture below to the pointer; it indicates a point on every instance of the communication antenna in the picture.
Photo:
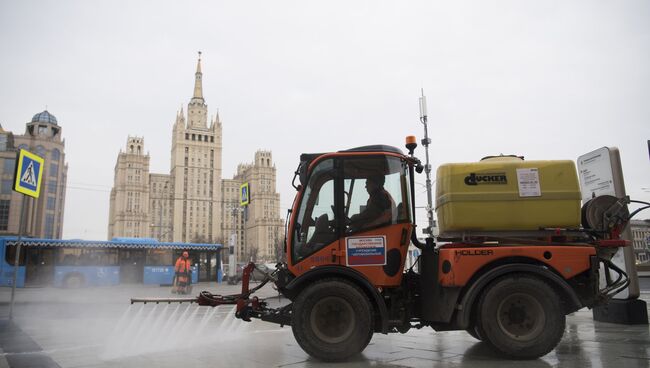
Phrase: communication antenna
(427, 167)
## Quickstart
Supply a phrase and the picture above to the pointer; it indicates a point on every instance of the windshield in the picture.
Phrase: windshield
(316, 219)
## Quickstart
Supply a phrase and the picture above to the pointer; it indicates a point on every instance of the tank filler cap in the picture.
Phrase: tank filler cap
(502, 157)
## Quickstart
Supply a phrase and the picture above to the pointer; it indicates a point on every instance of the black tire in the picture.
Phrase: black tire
(520, 316)
(474, 332)
(74, 281)
(332, 320)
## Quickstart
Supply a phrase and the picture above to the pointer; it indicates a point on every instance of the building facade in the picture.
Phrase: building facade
(129, 201)
(258, 226)
(641, 240)
(196, 171)
(44, 215)
(193, 203)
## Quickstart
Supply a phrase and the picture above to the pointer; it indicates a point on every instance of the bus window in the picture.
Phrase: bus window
(159, 257)
(68, 257)
(10, 255)
(98, 257)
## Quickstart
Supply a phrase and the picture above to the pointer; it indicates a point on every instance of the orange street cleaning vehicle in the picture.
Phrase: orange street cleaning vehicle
(515, 255)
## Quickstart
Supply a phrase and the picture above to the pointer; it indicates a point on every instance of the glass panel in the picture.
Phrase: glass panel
(159, 257)
(54, 169)
(7, 185)
(10, 255)
(316, 221)
(40, 151)
(49, 226)
(9, 166)
(375, 192)
(4, 214)
(51, 186)
(87, 257)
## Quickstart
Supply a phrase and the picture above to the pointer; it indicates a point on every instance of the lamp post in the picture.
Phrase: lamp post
(232, 264)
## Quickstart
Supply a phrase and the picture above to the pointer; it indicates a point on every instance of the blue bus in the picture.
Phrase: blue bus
(79, 263)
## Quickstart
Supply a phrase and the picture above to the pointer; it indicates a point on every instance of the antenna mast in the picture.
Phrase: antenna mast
(427, 167)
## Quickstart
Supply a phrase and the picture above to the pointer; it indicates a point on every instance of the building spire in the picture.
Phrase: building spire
(198, 84)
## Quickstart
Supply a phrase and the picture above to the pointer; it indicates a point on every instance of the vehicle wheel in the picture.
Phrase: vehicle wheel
(520, 316)
(73, 282)
(332, 320)
(474, 332)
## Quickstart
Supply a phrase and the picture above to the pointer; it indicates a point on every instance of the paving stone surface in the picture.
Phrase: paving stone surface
(97, 327)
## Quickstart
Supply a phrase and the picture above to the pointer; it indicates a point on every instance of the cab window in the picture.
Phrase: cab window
(375, 192)
(315, 225)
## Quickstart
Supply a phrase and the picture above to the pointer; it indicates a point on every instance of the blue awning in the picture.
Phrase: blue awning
(31, 242)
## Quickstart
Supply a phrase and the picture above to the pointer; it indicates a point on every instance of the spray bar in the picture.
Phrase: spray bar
(164, 300)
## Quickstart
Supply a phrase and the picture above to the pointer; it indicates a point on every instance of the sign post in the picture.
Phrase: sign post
(244, 200)
(27, 180)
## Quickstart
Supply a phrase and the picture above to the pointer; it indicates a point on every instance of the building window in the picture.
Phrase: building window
(51, 203)
(54, 169)
(56, 154)
(40, 151)
(193, 137)
(49, 226)
(7, 186)
(9, 166)
(4, 214)
(51, 186)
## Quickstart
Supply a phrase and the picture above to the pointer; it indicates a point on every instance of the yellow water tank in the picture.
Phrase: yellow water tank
(506, 193)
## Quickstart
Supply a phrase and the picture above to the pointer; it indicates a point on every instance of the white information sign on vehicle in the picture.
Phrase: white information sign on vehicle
(528, 180)
(596, 175)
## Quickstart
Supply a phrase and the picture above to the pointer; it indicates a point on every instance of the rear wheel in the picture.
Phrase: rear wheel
(332, 320)
(473, 331)
(521, 317)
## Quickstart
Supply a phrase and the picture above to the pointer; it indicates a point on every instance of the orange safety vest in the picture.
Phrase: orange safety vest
(183, 266)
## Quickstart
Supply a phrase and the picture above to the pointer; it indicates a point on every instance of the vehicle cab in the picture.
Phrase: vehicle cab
(353, 209)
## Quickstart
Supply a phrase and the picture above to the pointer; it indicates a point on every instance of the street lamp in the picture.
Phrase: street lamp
(232, 264)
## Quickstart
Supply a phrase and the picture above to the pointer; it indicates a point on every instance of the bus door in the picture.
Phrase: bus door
(39, 270)
(131, 263)
(205, 265)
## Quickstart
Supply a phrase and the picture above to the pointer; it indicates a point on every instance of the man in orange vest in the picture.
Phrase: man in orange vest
(183, 274)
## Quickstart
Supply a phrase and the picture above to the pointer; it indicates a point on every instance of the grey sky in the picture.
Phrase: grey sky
(543, 79)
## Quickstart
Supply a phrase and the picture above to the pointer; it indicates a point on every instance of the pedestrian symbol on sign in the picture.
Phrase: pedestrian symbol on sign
(29, 177)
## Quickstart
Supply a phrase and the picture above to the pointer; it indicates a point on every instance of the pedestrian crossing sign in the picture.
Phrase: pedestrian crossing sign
(29, 171)
(244, 198)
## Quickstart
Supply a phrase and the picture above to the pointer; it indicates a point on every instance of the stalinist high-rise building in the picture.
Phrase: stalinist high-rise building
(196, 171)
(193, 203)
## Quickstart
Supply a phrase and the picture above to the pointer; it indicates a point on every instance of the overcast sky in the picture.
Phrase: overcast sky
(543, 79)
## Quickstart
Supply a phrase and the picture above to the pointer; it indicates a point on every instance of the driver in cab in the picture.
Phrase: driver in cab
(379, 207)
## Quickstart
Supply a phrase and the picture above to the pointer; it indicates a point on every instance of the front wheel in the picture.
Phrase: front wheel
(332, 320)
(521, 317)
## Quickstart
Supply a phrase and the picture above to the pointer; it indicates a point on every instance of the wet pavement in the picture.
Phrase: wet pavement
(97, 327)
